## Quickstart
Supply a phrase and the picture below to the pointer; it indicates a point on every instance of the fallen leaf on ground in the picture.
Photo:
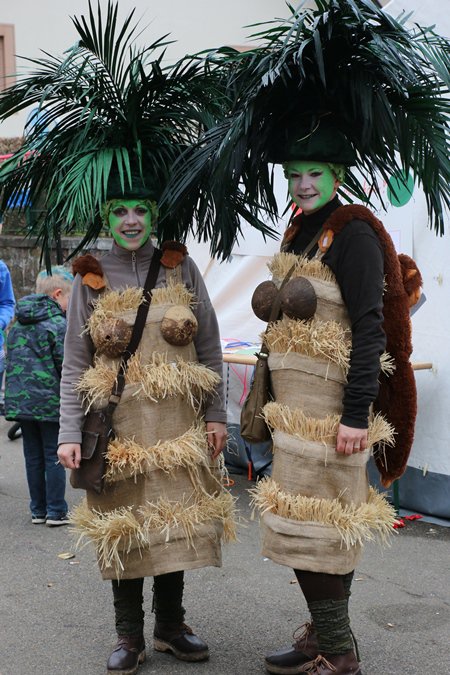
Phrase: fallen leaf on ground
(66, 556)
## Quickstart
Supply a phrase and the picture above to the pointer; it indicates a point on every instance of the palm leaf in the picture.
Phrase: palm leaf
(104, 106)
(385, 86)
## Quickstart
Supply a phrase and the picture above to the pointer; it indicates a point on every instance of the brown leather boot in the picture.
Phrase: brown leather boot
(180, 640)
(127, 655)
(333, 664)
(290, 660)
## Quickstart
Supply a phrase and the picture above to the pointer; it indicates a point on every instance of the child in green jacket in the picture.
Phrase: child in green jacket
(33, 373)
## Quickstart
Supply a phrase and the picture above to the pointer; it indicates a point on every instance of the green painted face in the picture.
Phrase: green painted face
(311, 184)
(130, 222)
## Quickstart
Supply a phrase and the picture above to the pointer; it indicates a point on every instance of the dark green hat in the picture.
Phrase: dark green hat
(133, 185)
(317, 139)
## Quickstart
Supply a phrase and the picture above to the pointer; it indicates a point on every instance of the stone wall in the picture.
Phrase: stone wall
(23, 258)
(10, 145)
(23, 255)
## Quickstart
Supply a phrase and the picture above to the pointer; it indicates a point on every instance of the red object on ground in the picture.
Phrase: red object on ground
(400, 522)
(249, 470)
(414, 516)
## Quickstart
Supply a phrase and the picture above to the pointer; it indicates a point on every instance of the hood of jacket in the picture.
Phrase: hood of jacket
(37, 307)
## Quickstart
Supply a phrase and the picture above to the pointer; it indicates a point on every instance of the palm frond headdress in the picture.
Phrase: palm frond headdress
(105, 113)
(348, 67)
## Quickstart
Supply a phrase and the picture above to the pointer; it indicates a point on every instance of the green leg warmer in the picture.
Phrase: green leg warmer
(347, 581)
(332, 624)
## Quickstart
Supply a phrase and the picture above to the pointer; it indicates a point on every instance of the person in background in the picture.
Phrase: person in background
(7, 303)
(35, 347)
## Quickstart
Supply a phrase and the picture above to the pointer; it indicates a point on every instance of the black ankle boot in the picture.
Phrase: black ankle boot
(290, 660)
(128, 654)
(179, 639)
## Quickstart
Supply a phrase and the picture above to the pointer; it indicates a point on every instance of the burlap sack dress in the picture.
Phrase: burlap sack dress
(163, 508)
(317, 508)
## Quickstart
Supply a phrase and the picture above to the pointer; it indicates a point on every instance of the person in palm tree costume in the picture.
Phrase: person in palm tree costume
(328, 91)
(114, 127)
(351, 257)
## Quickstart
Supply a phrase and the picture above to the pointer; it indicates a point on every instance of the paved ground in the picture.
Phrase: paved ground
(56, 615)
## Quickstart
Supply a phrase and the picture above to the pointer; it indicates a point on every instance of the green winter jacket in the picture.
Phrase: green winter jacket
(35, 347)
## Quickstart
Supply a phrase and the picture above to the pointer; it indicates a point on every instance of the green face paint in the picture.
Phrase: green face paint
(311, 184)
(130, 222)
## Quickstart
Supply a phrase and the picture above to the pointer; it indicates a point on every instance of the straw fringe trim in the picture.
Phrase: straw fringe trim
(327, 340)
(113, 304)
(281, 263)
(156, 379)
(318, 339)
(355, 524)
(387, 363)
(294, 422)
(163, 516)
(115, 533)
(127, 459)
(173, 294)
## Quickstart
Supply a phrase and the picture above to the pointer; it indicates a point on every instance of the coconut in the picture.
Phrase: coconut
(263, 299)
(179, 326)
(298, 299)
(111, 337)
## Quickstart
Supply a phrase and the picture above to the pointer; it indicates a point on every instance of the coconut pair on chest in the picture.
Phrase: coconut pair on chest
(298, 299)
(111, 323)
(311, 291)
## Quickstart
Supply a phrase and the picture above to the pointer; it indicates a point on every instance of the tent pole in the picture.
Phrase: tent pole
(396, 496)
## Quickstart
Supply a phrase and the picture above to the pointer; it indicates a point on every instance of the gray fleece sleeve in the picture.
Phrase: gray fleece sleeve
(207, 341)
(78, 355)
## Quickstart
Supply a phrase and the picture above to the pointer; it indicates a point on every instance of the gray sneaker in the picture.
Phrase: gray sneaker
(56, 521)
(38, 520)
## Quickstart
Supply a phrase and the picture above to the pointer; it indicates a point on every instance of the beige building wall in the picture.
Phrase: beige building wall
(194, 24)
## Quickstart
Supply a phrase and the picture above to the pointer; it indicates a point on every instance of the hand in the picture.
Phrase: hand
(69, 455)
(350, 440)
(217, 437)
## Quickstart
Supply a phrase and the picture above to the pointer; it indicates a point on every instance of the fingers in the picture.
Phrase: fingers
(217, 437)
(350, 440)
(363, 444)
(215, 452)
(77, 457)
(69, 455)
(63, 461)
(217, 442)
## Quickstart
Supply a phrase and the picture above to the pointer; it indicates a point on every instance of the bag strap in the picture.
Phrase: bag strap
(275, 311)
(138, 329)
(313, 242)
